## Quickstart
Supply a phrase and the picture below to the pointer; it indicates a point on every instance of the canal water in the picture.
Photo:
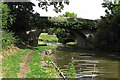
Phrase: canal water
(88, 64)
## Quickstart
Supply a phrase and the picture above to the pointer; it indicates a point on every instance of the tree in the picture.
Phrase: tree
(58, 5)
(7, 20)
(68, 14)
(108, 34)
(24, 20)
(28, 25)
(8, 38)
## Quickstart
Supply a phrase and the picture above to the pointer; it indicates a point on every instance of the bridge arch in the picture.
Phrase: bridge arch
(79, 27)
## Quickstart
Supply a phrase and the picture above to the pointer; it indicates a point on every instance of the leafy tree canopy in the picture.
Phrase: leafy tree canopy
(68, 14)
(8, 38)
(25, 18)
(108, 34)
(26, 22)
(58, 4)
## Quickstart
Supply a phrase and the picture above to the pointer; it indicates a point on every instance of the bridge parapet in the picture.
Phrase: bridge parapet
(70, 19)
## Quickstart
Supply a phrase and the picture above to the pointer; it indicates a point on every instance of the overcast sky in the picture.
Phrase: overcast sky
(88, 9)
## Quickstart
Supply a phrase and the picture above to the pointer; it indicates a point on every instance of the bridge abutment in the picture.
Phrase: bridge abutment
(81, 42)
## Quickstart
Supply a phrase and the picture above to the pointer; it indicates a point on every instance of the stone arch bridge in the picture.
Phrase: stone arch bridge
(81, 28)
(81, 31)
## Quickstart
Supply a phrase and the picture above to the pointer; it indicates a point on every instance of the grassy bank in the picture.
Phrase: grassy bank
(11, 65)
(48, 38)
(71, 43)
(38, 70)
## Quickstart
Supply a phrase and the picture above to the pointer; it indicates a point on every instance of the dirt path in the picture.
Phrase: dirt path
(24, 65)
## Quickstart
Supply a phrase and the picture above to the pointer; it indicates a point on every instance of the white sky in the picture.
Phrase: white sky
(88, 9)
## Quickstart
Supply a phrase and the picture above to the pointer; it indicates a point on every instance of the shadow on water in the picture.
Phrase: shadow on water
(88, 63)
(97, 54)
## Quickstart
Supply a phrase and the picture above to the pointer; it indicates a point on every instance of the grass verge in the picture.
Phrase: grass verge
(37, 69)
(11, 64)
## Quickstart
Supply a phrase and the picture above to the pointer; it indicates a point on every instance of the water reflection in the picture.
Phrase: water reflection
(88, 64)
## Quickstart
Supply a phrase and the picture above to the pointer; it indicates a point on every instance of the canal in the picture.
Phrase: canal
(88, 64)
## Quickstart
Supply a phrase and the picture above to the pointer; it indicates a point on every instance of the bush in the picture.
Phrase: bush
(8, 39)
